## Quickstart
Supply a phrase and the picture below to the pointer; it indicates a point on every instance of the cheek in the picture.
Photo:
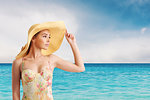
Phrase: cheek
(40, 42)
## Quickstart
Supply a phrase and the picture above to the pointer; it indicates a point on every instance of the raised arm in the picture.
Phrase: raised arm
(66, 65)
(16, 80)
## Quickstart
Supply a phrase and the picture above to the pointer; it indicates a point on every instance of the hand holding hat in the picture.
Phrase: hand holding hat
(70, 38)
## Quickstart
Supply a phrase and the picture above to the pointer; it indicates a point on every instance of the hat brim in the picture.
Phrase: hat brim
(57, 30)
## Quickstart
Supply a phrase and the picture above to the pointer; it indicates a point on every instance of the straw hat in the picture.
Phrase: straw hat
(57, 30)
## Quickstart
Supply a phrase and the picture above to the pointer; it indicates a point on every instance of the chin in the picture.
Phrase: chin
(45, 48)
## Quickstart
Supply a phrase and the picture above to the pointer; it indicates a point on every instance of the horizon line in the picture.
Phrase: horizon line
(93, 62)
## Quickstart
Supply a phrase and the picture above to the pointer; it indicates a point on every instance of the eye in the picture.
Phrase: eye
(49, 37)
(44, 36)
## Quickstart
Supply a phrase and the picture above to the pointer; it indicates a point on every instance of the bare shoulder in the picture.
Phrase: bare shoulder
(53, 58)
(16, 63)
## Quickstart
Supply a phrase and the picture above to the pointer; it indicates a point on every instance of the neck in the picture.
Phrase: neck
(34, 52)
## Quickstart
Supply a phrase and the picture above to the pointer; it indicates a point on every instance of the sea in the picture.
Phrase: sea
(99, 81)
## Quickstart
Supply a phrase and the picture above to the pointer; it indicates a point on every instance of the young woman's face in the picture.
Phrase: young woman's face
(43, 39)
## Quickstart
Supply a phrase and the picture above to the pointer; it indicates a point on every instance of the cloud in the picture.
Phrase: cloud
(143, 30)
(118, 47)
(138, 2)
(100, 37)
(133, 2)
(19, 16)
(119, 50)
(139, 9)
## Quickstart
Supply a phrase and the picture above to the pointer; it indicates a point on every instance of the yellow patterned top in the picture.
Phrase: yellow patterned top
(37, 86)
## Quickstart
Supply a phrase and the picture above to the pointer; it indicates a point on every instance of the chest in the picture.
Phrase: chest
(29, 75)
(30, 69)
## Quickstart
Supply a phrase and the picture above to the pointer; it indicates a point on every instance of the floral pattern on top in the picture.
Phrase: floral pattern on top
(37, 86)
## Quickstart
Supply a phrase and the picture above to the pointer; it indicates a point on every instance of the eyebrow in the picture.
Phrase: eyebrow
(44, 33)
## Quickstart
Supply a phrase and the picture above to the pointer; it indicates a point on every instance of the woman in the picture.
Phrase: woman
(35, 63)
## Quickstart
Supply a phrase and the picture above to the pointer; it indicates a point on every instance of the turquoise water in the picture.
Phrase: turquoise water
(98, 82)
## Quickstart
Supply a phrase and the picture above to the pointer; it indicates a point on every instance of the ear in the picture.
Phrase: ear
(33, 39)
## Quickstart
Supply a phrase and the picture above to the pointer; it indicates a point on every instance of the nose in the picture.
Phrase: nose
(48, 40)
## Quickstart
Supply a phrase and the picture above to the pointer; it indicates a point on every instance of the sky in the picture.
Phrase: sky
(105, 30)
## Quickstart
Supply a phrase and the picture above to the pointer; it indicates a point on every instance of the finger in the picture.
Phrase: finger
(65, 34)
(68, 34)
(72, 35)
(66, 31)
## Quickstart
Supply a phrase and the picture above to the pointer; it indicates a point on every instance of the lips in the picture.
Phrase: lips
(47, 44)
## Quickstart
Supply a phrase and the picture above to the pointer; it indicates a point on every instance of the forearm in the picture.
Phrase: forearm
(15, 94)
(77, 57)
(16, 97)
